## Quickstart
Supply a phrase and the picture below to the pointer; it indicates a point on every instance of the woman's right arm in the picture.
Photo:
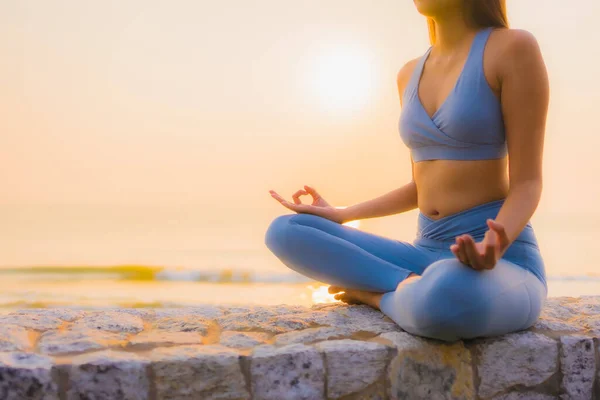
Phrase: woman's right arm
(395, 202)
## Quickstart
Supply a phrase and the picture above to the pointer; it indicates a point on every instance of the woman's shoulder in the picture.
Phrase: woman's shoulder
(509, 42)
(405, 73)
(511, 47)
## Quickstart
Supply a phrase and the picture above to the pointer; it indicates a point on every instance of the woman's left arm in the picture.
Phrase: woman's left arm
(524, 97)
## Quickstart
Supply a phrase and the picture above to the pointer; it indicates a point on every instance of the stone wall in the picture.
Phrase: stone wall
(329, 351)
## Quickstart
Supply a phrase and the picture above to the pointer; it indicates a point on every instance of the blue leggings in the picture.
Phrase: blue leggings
(451, 301)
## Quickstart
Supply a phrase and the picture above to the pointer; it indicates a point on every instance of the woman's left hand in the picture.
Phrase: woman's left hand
(484, 254)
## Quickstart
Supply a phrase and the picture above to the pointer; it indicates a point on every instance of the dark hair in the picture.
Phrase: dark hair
(481, 13)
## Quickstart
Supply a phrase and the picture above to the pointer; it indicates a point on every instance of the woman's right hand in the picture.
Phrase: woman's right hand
(318, 207)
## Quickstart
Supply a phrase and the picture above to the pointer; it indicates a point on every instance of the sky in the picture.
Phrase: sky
(205, 106)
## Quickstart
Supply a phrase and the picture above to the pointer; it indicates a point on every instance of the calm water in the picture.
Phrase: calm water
(171, 257)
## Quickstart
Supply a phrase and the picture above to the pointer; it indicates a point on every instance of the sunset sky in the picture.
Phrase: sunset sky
(208, 105)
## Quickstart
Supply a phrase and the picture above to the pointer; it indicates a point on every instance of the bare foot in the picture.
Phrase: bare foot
(335, 289)
(343, 295)
(353, 296)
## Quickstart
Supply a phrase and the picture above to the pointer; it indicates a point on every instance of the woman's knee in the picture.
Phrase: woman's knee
(276, 233)
(282, 228)
(458, 302)
(449, 306)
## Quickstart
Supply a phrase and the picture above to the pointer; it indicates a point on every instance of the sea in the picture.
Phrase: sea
(100, 256)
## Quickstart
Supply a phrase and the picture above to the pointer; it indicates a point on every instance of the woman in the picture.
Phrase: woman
(472, 105)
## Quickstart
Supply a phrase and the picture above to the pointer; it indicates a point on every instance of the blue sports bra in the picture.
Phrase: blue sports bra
(469, 123)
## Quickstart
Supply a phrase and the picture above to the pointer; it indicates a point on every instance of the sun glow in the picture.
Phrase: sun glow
(353, 224)
(321, 295)
(342, 77)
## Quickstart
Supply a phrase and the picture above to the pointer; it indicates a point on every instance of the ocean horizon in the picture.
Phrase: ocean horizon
(66, 255)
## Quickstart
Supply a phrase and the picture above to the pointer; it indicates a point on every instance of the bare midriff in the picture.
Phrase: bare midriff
(446, 187)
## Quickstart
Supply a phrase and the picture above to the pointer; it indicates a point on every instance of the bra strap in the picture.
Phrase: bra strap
(412, 85)
(478, 46)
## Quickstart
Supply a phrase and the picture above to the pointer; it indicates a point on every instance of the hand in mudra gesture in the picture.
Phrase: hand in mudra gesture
(318, 207)
(484, 254)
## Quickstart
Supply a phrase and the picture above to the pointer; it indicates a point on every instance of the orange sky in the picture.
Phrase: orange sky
(211, 104)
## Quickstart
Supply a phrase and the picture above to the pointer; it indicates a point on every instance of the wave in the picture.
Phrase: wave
(150, 273)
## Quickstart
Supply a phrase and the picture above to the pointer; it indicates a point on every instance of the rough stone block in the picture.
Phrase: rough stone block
(111, 321)
(361, 318)
(27, 376)
(39, 322)
(289, 372)
(429, 369)
(108, 375)
(523, 358)
(164, 338)
(206, 312)
(578, 364)
(525, 396)
(263, 320)
(183, 323)
(78, 341)
(312, 335)
(65, 314)
(243, 340)
(198, 372)
(353, 365)
(14, 338)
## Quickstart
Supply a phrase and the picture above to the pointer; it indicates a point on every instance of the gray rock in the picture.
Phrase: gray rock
(520, 365)
(14, 338)
(311, 335)
(108, 375)
(561, 308)
(182, 323)
(79, 341)
(361, 318)
(554, 325)
(353, 365)
(205, 312)
(290, 372)
(523, 358)
(317, 318)
(112, 321)
(280, 309)
(39, 322)
(559, 314)
(143, 313)
(237, 309)
(578, 364)
(163, 338)
(198, 372)
(591, 323)
(525, 396)
(327, 306)
(65, 314)
(429, 369)
(242, 340)
(264, 320)
(589, 305)
(376, 391)
(26, 376)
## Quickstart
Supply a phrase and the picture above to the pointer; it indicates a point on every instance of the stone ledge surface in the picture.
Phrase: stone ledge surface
(327, 351)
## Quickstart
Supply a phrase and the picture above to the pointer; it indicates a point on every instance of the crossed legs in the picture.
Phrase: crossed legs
(448, 301)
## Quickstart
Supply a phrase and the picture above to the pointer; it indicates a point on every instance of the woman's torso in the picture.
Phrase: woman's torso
(445, 187)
